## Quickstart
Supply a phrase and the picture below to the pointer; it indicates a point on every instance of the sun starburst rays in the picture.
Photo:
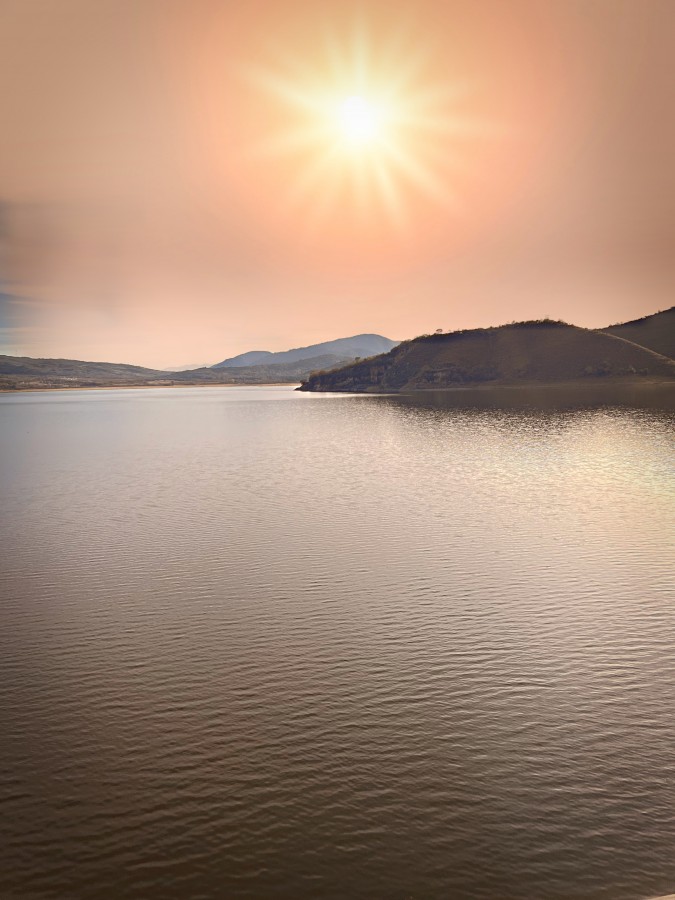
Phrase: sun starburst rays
(367, 126)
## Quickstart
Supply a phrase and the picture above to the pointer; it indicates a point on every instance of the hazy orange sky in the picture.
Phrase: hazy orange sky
(172, 193)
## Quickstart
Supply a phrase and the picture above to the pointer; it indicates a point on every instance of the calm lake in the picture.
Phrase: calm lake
(262, 644)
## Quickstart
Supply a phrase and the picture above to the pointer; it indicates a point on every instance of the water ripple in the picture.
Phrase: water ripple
(263, 645)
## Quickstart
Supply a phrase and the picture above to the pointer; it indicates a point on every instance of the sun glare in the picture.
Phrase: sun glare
(367, 125)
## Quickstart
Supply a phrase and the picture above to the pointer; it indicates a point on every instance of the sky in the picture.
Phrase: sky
(185, 180)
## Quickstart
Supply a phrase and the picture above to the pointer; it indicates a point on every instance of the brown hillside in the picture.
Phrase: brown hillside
(527, 352)
(655, 332)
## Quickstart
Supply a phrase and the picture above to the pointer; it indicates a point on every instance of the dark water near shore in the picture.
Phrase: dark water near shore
(262, 644)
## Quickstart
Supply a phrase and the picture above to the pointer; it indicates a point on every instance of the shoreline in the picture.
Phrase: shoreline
(485, 387)
(630, 382)
(645, 381)
(127, 387)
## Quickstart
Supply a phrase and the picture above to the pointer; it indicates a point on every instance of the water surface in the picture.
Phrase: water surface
(262, 644)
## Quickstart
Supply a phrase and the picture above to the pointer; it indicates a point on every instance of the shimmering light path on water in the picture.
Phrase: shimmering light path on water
(260, 644)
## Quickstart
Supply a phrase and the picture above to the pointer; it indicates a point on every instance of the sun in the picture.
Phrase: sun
(368, 126)
(359, 121)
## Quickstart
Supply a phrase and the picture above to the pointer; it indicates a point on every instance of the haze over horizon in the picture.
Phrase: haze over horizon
(193, 180)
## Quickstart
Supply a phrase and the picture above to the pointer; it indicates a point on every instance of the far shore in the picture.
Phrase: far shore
(581, 384)
(129, 387)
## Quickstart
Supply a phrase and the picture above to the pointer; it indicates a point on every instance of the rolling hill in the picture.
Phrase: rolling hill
(26, 373)
(540, 352)
(655, 332)
(24, 370)
(521, 353)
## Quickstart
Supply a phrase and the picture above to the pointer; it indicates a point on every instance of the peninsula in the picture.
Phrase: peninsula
(535, 352)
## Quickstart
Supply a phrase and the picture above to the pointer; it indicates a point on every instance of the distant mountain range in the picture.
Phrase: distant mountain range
(255, 367)
(349, 348)
(541, 352)
(521, 353)
(25, 373)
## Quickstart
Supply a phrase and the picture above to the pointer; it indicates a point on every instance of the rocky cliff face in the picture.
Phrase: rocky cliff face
(528, 352)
